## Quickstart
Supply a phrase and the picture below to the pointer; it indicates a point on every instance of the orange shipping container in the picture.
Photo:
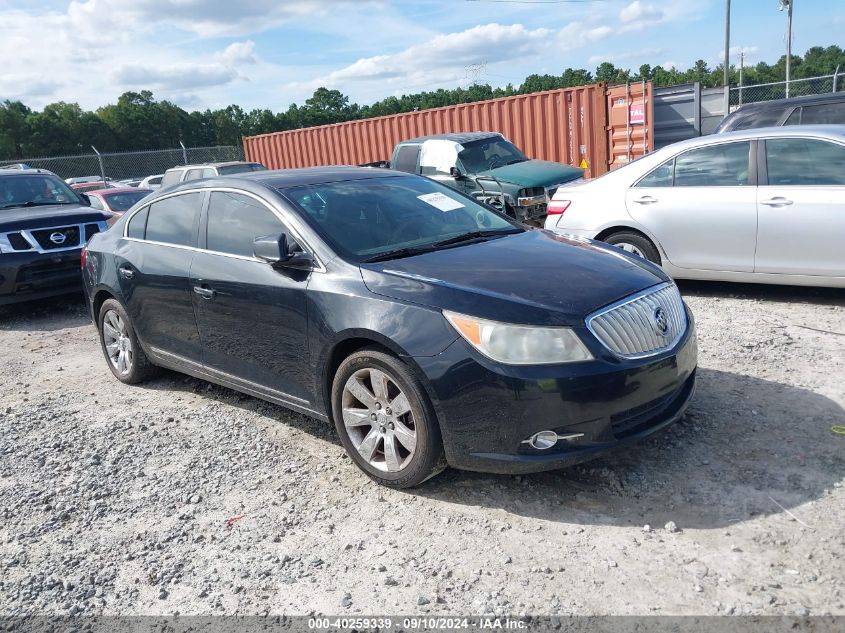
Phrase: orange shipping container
(570, 126)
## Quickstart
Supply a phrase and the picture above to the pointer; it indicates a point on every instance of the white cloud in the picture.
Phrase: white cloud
(208, 19)
(638, 11)
(638, 16)
(445, 57)
(175, 77)
(238, 53)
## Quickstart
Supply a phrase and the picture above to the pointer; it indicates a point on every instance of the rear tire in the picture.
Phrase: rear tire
(124, 355)
(385, 420)
(635, 244)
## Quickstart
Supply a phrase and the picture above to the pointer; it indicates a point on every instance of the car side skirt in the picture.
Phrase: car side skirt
(192, 368)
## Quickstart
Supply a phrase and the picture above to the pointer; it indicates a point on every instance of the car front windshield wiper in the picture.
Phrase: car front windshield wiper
(472, 236)
(399, 252)
(31, 203)
(516, 160)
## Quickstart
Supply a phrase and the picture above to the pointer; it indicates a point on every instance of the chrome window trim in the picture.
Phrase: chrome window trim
(35, 247)
(630, 299)
(318, 265)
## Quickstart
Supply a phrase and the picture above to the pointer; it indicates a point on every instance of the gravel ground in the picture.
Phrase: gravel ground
(180, 496)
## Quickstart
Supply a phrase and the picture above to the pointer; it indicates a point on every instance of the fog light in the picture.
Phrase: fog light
(543, 440)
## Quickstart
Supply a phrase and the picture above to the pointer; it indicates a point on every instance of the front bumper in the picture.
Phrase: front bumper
(486, 410)
(28, 276)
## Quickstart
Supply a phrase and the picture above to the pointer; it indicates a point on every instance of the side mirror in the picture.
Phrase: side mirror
(277, 251)
(85, 199)
(271, 248)
(456, 173)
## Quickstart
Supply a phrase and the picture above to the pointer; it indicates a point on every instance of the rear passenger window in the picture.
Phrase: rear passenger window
(406, 158)
(235, 220)
(195, 174)
(138, 224)
(173, 220)
(826, 113)
(171, 177)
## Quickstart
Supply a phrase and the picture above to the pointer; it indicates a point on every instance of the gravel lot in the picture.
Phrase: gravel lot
(116, 499)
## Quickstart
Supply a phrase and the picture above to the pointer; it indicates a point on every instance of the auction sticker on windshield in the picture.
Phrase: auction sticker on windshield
(441, 201)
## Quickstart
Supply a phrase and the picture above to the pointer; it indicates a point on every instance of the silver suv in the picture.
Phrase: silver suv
(207, 170)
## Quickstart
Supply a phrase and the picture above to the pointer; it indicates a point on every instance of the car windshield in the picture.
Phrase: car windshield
(33, 190)
(489, 153)
(123, 200)
(228, 170)
(382, 218)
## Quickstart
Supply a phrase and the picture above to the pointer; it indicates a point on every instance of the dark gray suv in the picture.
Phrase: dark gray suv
(814, 110)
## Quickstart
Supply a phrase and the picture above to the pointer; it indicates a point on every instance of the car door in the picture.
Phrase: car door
(801, 206)
(701, 207)
(252, 317)
(153, 260)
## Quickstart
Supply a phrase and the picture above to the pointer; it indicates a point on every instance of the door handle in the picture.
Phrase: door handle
(645, 200)
(125, 272)
(205, 293)
(777, 201)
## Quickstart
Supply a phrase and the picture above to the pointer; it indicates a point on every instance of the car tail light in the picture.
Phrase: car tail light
(82, 257)
(557, 207)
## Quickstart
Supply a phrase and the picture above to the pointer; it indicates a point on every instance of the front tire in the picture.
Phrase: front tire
(385, 421)
(635, 244)
(124, 355)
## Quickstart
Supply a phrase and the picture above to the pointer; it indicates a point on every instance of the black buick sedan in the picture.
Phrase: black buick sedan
(431, 329)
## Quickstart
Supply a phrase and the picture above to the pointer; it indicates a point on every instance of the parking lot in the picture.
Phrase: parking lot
(180, 496)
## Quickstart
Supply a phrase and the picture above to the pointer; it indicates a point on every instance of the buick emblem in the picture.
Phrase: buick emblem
(57, 238)
(661, 322)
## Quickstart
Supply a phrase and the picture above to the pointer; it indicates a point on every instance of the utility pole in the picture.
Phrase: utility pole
(741, 68)
(787, 4)
(726, 79)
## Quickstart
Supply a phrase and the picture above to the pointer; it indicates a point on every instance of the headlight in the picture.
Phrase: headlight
(520, 344)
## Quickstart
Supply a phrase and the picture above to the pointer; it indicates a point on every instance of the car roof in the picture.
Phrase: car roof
(834, 132)
(111, 190)
(457, 137)
(286, 178)
(779, 104)
(26, 172)
(223, 164)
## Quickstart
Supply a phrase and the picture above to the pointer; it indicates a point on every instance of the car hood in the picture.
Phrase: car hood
(17, 218)
(534, 173)
(535, 277)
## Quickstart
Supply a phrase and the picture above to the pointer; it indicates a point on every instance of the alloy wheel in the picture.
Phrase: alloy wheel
(630, 248)
(117, 342)
(378, 419)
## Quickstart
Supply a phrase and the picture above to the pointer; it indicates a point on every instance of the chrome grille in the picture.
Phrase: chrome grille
(644, 324)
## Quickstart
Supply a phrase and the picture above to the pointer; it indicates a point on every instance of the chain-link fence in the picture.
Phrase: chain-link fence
(778, 90)
(131, 165)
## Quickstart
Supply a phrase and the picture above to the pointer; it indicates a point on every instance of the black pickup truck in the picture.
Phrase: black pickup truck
(43, 226)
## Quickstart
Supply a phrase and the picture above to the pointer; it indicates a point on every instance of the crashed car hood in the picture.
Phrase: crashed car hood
(16, 218)
(535, 277)
(534, 173)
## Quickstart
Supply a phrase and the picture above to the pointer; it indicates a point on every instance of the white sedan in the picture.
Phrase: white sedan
(765, 205)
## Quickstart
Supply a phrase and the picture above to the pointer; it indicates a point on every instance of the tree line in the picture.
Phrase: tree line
(140, 122)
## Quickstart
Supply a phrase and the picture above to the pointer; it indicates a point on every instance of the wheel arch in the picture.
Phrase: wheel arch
(100, 296)
(606, 232)
(347, 343)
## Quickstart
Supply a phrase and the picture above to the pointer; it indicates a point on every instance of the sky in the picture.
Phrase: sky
(271, 53)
